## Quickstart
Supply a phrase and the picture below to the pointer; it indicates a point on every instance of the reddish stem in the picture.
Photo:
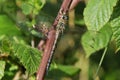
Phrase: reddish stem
(50, 41)
(46, 55)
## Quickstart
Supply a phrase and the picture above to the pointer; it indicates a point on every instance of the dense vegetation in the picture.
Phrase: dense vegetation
(93, 30)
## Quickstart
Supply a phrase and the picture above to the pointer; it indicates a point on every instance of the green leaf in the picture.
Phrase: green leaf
(63, 71)
(5, 46)
(116, 31)
(37, 34)
(7, 27)
(97, 13)
(112, 75)
(2, 67)
(116, 11)
(26, 8)
(29, 57)
(70, 70)
(39, 4)
(32, 6)
(6, 43)
(94, 41)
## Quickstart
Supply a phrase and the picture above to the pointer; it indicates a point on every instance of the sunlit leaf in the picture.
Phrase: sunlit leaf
(116, 31)
(32, 6)
(29, 57)
(26, 8)
(97, 13)
(2, 67)
(94, 41)
(7, 27)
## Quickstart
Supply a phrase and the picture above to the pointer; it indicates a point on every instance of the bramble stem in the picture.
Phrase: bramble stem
(51, 40)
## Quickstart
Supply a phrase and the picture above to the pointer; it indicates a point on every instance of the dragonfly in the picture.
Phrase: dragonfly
(59, 29)
(55, 30)
(45, 29)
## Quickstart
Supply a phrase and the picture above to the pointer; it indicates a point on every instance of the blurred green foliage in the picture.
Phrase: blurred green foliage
(79, 49)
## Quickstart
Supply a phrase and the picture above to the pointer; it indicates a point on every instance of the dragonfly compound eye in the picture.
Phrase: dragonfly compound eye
(65, 17)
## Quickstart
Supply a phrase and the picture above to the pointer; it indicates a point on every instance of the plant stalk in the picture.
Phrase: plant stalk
(51, 40)
(100, 62)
